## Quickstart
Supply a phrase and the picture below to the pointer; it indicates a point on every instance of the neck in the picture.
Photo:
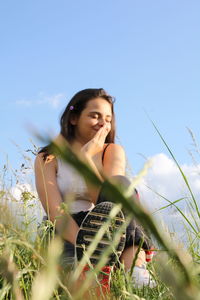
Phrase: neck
(76, 145)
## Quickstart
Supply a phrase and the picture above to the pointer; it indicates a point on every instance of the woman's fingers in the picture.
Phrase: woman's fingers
(102, 133)
(97, 142)
(98, 137)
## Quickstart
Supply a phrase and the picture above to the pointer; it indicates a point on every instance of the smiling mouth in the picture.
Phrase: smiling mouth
(96, 129)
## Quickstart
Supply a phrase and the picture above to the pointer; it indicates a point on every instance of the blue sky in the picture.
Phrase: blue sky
(145, 53)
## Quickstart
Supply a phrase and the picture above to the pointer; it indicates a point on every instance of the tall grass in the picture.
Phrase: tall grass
(31, 269)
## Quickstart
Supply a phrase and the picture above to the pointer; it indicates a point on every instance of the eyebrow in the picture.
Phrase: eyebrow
(98, 113)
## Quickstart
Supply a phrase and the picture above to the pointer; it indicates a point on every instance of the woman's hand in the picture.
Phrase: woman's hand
(96, 144)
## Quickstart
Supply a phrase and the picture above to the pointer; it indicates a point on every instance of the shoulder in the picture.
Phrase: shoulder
(113, 152)
(49, 161)
(114, 160)
(114, 149)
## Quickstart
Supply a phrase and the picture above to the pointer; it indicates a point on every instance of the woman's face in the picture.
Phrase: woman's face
(96, 114)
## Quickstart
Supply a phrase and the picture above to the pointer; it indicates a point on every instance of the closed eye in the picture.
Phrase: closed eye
(108, 121)
(95, 116)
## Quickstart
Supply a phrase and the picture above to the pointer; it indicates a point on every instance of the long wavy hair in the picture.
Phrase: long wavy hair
(74, 108)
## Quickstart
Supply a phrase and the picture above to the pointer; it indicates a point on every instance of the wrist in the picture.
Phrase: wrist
(85, 153)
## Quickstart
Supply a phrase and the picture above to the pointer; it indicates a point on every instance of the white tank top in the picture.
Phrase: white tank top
(72, 185)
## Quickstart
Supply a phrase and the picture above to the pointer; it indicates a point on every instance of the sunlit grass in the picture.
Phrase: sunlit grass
(30, 268)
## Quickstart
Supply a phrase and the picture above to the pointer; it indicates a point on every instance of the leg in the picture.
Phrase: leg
(124, 182)
(128, 255)
(68, 255)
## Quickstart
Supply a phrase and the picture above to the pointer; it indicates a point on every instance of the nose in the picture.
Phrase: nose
(102, 122)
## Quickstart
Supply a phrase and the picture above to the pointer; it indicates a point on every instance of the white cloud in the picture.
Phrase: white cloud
(18, 189)
(23, 203)
(53, 101)
(24, 102)
(164, 178)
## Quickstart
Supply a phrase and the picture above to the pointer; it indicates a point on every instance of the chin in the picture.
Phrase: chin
(89, 137)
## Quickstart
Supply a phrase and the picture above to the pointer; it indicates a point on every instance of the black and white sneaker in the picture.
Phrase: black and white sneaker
(90, 227)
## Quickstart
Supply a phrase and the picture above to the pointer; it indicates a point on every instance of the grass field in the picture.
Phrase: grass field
(30, 269)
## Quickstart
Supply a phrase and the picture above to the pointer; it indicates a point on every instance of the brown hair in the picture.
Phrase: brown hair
(74, 108)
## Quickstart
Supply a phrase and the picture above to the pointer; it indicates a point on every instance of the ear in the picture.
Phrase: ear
(73, 120)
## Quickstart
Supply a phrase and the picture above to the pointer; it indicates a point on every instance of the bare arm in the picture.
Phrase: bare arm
(114, 161)
(114, 164)
(87, 153)
(50, 197)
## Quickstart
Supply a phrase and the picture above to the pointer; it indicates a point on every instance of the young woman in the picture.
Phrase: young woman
(88, 125)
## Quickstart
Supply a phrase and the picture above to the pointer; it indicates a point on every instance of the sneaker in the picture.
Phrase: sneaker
(141, 277)
(89, 228)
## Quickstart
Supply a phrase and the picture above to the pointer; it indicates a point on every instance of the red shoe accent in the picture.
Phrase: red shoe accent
(104, 287)
(86, 268)
(149, 254)
(105, 281)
